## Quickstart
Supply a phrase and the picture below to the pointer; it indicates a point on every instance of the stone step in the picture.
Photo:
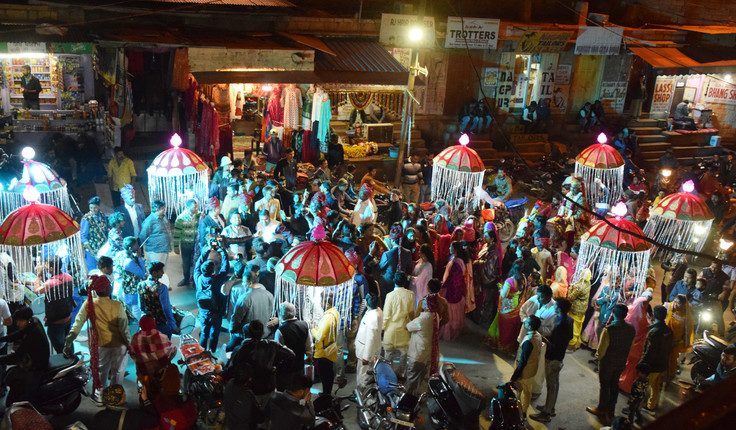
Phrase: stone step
(654, 146)
(646, 122)
(651, 138)
(642, 131)
(685, 151)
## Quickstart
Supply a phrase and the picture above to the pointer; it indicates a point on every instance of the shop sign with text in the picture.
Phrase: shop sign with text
(395, 30)
(599, 41)
(720, 92)
(662, 96)
(471, 33)
(543, 41)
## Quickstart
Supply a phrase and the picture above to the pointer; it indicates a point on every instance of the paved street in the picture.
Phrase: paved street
(579, 383)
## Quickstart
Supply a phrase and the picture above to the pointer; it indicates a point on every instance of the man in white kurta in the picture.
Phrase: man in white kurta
(368, 340)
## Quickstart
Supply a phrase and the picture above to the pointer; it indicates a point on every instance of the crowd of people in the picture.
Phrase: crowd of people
(439, 263)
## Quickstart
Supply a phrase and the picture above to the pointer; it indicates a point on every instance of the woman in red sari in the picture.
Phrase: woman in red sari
(637, 317)
(454, 289)
(506, 325)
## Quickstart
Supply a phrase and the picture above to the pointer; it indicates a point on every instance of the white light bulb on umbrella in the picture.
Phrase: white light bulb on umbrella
(688, 186)
(620, 210)
(31, 194)
(28, 153)
(602, 138)
(725, 244)
(464, 139)
(175, 140)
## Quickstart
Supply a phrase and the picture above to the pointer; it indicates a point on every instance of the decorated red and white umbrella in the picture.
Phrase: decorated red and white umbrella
(681, 220)
(601, 165)
(310, 269)
(33, 233)
(51, 188)
(456, 172)
(177, 175)
(604, 249)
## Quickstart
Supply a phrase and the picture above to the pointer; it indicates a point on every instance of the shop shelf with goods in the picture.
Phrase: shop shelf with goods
(44, 68)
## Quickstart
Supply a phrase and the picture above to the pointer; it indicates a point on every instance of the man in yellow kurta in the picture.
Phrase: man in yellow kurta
(120, 171)
(325, 342)
(398, 310)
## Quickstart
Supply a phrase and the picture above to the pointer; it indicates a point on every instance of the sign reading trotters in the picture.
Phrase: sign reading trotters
(662, 96)
(599, 41)
(471, 33)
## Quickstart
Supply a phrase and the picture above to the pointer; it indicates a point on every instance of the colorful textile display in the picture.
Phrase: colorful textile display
(610, 248)
(36, 232)
(291, 98)
(681, 220)
(457, 171)
(177, 175)
(308, 270)
(53, 190)
(601, 165)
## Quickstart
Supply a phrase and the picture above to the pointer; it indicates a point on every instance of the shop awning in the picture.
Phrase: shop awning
(358, 61)
(665, 58)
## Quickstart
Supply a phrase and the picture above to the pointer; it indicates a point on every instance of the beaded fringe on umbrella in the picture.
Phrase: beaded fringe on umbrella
(309, 301)
(676, 233)
(25, 260)
(453, 185)
(175, 190)
(631, 266)
(60, 198)
(612, 179)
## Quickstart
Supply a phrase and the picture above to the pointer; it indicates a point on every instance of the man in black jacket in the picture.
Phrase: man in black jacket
(613, 350)
(295, 335)
(263, 356)
(31, 357)
(656, 353)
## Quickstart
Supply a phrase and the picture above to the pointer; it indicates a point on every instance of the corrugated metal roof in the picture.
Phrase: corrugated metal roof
(259, 3)
(666, 58)
(356, 55)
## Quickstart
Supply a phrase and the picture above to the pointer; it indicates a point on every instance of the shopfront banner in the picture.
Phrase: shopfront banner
(70, 48)
(395, 30)
(613, 93)
(543, 41)
(505, 87)
(471, 33)
(23, 47)
(720, 92)
(599, 41)
(662, 96)
(546, 78)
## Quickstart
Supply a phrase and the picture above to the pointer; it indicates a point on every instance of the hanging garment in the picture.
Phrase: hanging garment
(310, 152)
(275, 109)
(297, 140)
(292, 101)
(307, 110)
(324, 121)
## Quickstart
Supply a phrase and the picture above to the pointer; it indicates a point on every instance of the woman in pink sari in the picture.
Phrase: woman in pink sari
(422, 273)
(506, 325)
(455, 291)
(637, 317)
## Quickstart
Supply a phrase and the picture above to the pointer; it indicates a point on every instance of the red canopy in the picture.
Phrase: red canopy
(683, 206)
(605, 236)
(36, 224)
(460, 158)
(315, 263)
(600, 156)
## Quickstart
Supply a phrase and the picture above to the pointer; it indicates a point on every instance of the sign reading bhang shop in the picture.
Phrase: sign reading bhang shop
(395, 30)
(471, 33)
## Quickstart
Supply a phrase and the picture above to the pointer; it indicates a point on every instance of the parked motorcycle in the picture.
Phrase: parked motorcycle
(328, 411)
(385, 404)
(505, 410)
(506, 217)
(454, 402)
(62, 385)
(707, 353)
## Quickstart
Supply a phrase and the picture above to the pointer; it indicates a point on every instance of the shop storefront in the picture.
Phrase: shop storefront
(348, 92)
(66, 101)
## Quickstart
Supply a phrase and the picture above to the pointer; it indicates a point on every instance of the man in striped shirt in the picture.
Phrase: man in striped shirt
(185, 237)
(411, 179)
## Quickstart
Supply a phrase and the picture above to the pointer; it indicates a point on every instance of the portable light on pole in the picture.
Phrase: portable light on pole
(416, 34)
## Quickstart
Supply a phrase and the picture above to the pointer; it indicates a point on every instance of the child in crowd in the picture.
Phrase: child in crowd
(639, 393)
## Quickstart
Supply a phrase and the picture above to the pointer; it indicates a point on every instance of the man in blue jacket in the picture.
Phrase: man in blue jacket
(156, 234)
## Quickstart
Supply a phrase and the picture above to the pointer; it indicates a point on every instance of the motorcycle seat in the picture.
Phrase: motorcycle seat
(58, 363)
(513, 203)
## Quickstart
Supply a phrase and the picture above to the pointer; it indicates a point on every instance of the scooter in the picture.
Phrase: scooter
(707, 354)
(385, 404)
(328, 411)
(454, 402)
(62, 385)
(505, 410)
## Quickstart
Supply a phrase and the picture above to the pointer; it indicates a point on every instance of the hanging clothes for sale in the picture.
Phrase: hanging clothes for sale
(307, 109)
(310, 151)
(291, 97)
(225, 142)
(324, 121)
(297, 139)
(275, 108)
(237, 98)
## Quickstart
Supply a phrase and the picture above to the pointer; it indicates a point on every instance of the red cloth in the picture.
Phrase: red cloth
(151, 350)
(175, 414)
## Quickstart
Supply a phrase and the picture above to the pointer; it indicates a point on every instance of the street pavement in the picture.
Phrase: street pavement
(486, 369)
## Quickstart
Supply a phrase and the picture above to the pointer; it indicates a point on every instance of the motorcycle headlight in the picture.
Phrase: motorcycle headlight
(404, 416)
(706, 316)
(666, 173)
